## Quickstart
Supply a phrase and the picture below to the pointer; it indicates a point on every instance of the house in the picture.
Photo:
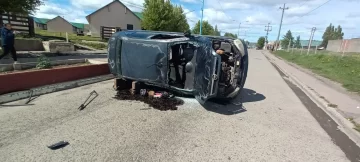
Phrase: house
(314, 44)
(40, 23)
(59, 24)
(114, 14)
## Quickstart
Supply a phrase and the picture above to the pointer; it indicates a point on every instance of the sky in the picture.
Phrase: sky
(250, 15)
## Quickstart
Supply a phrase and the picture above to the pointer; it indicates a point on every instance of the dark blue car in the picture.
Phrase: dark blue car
(189, 64)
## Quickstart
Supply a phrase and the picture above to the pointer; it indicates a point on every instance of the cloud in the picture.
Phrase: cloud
(227, 5)
(353, 15)
(51, 10)
(92, 5)
(227, 14)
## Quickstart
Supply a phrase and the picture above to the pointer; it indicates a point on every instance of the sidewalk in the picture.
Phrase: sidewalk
(332, 93)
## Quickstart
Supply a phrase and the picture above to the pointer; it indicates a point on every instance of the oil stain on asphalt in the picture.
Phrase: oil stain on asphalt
(162, 104)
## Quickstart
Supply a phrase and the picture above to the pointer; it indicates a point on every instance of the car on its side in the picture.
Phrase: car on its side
(185, 63)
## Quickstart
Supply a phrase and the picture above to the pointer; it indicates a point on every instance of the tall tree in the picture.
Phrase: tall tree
(161, 15)
(207, 29)
(216, 32)
(20, 6)
(286, 39)
(297, 42)
(230, 35)
(179, 21)
(331, 34)
(261, 42)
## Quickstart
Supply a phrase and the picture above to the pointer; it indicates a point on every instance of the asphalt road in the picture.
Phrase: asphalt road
(272, 124)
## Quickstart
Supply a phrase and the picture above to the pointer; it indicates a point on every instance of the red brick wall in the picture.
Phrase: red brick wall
(26, 80)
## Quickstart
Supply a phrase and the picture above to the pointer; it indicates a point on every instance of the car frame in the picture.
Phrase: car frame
(151, 56)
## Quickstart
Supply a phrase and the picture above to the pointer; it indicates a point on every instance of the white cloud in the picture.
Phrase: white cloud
(92, 5)
(227, 5)
(51, 10)
(353, 15)
(227, 14)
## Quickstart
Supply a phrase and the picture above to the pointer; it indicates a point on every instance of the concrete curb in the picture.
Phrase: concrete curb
(51, 88)
(344, 124)
(29, 65)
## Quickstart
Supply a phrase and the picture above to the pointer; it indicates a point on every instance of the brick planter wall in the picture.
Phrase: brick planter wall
(26, 80)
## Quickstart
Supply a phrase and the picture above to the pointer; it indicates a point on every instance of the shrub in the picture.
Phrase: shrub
(43, 63)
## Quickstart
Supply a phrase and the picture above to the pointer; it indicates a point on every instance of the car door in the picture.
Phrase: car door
(207, 70)
(145, 60)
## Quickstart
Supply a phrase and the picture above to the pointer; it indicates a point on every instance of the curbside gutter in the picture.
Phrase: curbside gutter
(344, 125)
(51, 88)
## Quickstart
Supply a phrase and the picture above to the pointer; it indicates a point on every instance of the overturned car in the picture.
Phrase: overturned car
(203, 66)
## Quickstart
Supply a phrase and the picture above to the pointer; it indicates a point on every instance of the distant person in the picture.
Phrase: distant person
(7, 42)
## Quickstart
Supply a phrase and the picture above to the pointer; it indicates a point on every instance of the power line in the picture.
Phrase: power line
(316, 8)
(223, 10)
(312, 10)
(303, 3)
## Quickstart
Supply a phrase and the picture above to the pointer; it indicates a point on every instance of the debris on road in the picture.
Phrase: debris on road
(58, 145)
(161, 103)
(82, 106)
(30, 97)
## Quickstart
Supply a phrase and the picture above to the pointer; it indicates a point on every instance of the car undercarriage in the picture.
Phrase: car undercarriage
(181, 58)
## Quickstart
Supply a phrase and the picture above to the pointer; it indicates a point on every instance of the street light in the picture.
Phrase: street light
(239, 28)
(202, 15)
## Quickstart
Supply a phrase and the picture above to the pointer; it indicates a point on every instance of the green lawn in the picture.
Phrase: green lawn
(345, 70)
(59, 35)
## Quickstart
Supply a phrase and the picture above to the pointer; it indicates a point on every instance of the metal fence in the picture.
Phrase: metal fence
(23, 24)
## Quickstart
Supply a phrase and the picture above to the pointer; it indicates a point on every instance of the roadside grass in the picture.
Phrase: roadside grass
(345, 70)
(356, 125)
(62, 36)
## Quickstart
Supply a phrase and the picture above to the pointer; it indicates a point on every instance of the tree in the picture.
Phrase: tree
(297, 42)
(179, 21)
(207, 29)
(261, 42)
(161, 15)
(216, 32)
(230, 35)
(331, 34)
(20, 6)
(286, 39)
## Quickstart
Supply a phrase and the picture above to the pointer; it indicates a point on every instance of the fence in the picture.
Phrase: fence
(24, 24)
(106, 32)
(349, 45)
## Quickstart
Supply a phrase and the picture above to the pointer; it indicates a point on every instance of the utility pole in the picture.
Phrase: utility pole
(239, 29)
(267, 29)
(311, 38)
(288, 49)
(202, 15)
(282, 16)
